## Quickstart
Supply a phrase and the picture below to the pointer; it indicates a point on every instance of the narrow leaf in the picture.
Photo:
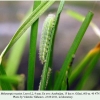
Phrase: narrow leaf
(17, 52)
(32, 51)
(73, 49)
(64, 84)
(88, 72)
(4, 85)
(12, 79)
(48, 59)
(80, 17)
(78, 69)
(29, 21)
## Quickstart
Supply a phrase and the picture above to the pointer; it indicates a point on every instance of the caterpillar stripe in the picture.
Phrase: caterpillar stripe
(46, 37)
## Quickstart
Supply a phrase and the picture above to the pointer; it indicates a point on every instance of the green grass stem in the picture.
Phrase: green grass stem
(25, 25)
(12, 79)
(78, 69)
(80, 18)
(32, 51)
(88, 71)
(48, 59)
(4, 85)
(73, 49)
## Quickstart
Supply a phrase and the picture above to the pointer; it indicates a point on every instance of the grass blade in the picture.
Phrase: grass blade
(73, 49)
(29, 21)
(12, 79)
(48, 59)
(4, 85)
(76, 15)
(55, 29)
(32, 51)
(80, 18)
(78, 69)
(16, 52)
(64, 84)
(88, 71)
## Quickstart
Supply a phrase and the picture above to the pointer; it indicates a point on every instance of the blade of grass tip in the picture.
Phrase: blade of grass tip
(78, 69)
(32, 51)
(76, 15)
(4, 85)
(60, 8)
(95, 29)
(55, 29)
(29, 21)
(42, 85)
(73, 49)
(80, 17)
(91, 66)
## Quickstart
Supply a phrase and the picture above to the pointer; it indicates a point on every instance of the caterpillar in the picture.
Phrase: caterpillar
(46, 37)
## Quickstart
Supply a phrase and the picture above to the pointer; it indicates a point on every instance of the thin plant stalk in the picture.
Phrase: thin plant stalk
(83, 64)
(4, 85)
(73, 49)
(80, 17)
(87, 73)
(25, 25)
(17, 52)
(32, 51)
(42, 85)
(96, 56)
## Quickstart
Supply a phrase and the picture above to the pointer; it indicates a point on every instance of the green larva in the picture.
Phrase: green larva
(46, 36)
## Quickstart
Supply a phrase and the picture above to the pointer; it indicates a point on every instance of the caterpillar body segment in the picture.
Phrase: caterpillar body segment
(46, 37)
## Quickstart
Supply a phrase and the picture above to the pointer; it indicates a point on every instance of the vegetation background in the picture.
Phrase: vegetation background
(11, 15)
